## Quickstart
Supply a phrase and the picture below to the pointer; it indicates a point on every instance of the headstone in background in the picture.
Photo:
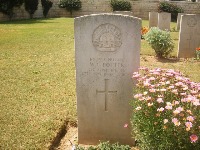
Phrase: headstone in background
(189, 36)
(164, 20)
(178, 20)
(107, 52)
(153, 19)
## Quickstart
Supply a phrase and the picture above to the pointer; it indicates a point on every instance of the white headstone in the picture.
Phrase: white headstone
(124, 12)
(107, 49)
(153, 19)
(178, 20)
(189, 36)
(164, 20)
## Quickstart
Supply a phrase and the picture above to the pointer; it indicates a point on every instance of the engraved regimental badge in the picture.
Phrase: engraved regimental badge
(191, 22)
(107, 38)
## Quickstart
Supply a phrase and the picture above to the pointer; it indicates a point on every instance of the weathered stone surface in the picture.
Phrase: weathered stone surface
(164, 20)
(178, 20)
(189, 36)
(153, 19)
(107, 49)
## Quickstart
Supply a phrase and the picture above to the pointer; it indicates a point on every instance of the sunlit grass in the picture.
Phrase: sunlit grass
(37, 78)
(189, 67)
(37, 81)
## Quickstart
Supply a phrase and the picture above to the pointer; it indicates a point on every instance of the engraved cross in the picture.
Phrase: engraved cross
(106, 92)
(190, 40)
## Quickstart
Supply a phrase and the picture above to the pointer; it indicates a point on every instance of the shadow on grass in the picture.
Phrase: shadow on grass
(168, 60)
(30, 21)
(61, 134)
(150, 58)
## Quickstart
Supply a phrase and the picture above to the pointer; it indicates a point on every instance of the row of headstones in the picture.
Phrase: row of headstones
(161, 20)
(189, 26)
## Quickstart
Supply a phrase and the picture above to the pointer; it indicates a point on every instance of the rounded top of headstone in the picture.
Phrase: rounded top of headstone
(107, 14)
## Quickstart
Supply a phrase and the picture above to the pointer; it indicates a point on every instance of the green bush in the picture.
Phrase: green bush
(170, 8)
(31, 6)
(120, 5)
(106, 146)
(197, 53)
(46, 5)
(6, 6)
(160, 41)
(70, 5)
(166, 112)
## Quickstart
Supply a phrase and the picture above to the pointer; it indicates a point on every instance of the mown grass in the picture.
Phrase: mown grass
(37, 78)
(189, 67)
(37, 81)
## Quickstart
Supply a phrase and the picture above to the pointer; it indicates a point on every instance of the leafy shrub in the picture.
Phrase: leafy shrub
(170, 8)
(106, 146)
(198, 53)
(31, 6)
(120, 5)
(160, 41)
(6, 6)
(46, 5)
(70, 5)
(166, 112)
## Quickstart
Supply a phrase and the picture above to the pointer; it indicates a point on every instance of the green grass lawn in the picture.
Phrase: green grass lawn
(189, 67)
(37, 81)
(37, 78)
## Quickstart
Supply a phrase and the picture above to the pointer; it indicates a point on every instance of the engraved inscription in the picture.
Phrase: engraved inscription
(190, 41)
(107, 38)
(164, 16)
(192, 22)
(106, 67)
(106, 92)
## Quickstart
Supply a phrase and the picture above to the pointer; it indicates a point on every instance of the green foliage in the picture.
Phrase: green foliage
(120, 5)
(166, 112)
(170, 8)
(46, 5)
(160, 41)
(106, 146)
(31, 6)
(6, 6)
(70, 5)
(198, 53)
